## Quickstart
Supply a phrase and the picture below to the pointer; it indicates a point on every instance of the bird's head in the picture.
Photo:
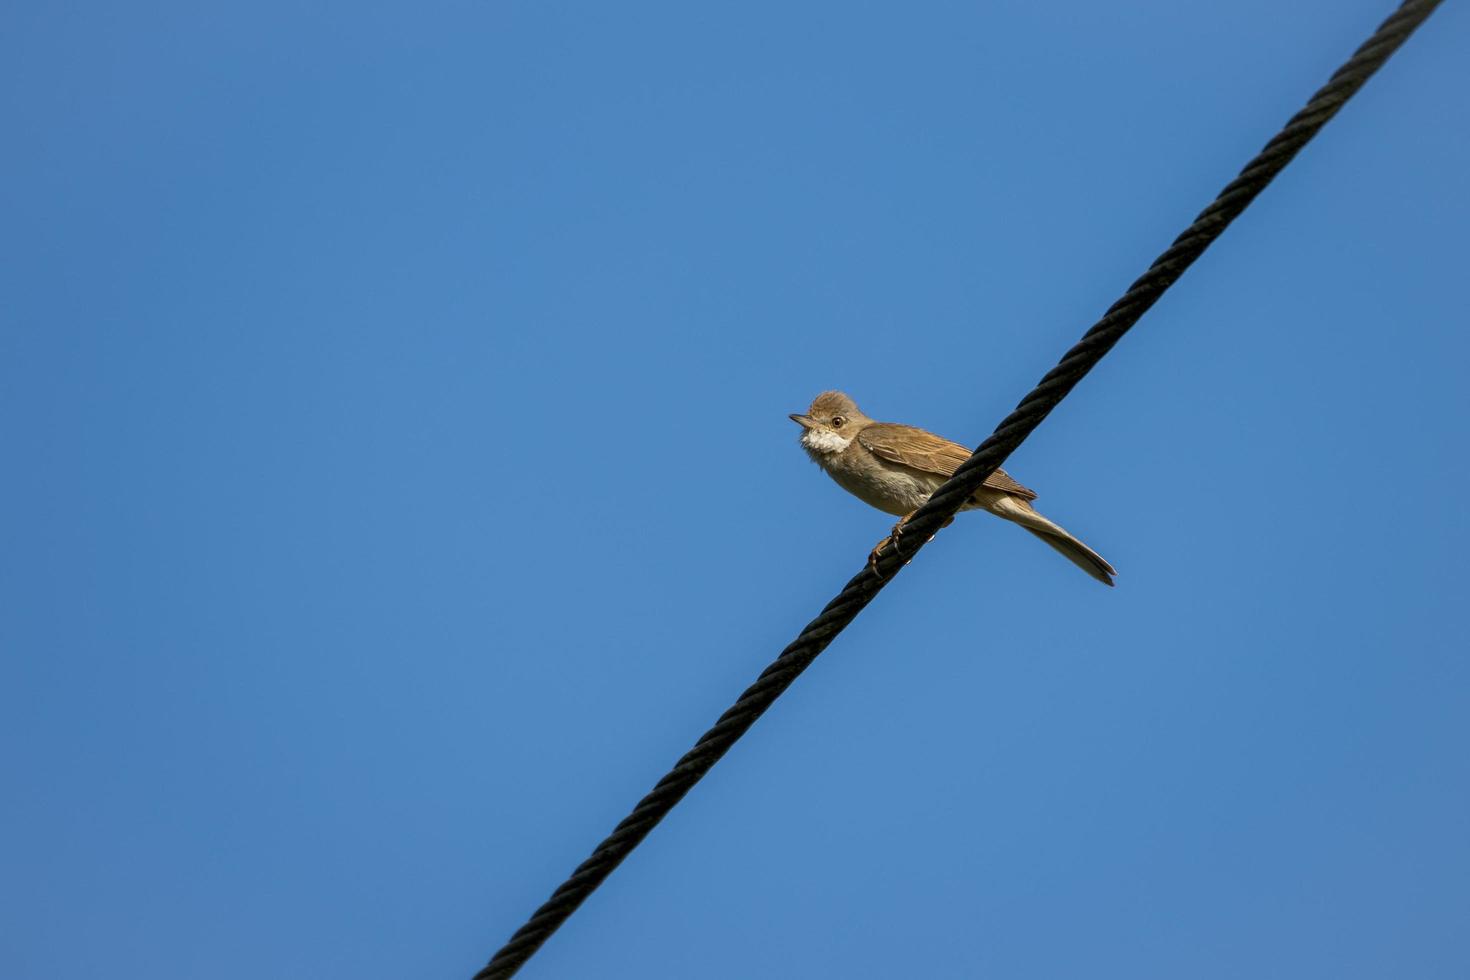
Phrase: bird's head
(829, 425)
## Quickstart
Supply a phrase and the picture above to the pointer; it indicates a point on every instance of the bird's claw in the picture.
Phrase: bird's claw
(873, 557)
(878, 549)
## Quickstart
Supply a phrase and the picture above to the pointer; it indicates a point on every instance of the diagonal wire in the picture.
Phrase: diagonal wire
(945, 501)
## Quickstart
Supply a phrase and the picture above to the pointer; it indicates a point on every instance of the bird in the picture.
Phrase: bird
(896, 467)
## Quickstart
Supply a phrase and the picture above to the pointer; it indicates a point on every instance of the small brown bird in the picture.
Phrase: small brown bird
(896, 467)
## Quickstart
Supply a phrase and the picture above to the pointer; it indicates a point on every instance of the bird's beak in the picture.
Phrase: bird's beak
(805, 421)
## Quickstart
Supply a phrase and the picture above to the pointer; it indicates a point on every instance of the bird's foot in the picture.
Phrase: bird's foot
(891, 540)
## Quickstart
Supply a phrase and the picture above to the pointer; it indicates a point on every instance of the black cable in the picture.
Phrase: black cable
(940, 507)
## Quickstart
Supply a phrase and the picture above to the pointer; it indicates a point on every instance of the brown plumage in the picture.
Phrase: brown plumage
(923, 450)
(896, 467)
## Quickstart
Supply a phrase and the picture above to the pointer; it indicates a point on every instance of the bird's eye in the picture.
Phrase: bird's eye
(837, 421)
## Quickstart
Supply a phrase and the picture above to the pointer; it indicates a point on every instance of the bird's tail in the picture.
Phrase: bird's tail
(1022, 513)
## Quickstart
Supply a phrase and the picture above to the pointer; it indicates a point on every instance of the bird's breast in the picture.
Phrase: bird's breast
(891, 488)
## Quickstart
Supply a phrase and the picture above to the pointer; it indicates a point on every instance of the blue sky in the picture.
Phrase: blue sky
(399, 480)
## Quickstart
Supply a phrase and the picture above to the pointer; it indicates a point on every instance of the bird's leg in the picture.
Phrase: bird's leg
(893, 537)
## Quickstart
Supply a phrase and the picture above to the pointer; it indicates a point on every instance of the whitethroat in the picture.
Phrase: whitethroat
(896, 467)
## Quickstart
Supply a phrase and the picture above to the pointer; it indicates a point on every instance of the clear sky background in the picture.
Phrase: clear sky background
(398, 480)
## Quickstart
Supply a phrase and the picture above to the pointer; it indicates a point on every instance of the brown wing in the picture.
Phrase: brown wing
(920, 450)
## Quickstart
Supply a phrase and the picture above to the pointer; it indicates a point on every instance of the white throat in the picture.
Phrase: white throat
(824, 441)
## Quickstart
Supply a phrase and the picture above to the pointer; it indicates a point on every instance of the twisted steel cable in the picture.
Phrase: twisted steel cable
(940, 507)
